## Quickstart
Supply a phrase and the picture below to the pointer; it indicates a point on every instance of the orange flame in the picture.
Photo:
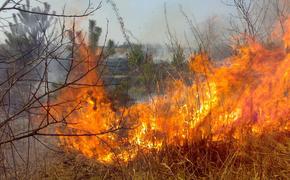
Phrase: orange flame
(250, 95)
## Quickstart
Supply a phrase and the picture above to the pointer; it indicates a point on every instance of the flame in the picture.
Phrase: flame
(250, 94)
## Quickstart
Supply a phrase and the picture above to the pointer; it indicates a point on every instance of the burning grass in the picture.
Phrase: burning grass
(263, 157)
(231, 122)
(250, 96)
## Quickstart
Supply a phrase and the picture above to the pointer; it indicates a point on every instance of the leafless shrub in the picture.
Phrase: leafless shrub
(37, 61)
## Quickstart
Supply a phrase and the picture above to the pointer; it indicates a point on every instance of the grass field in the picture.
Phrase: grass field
(264, 157)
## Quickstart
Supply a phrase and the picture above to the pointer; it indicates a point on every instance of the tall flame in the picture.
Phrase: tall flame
(250, 94)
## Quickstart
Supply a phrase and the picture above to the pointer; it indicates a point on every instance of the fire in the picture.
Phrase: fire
(249, 95)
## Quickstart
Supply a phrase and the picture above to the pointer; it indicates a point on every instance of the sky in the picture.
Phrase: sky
(144, 18)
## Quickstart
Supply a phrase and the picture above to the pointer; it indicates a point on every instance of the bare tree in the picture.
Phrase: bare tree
(256, 19)
(39, 45)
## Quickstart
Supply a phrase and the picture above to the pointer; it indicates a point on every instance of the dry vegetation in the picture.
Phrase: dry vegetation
(202, 119)
(264, 157)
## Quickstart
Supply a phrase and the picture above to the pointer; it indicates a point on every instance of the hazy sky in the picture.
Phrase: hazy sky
(145, 18)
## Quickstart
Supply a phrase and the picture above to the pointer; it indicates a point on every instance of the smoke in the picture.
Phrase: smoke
(155, 30)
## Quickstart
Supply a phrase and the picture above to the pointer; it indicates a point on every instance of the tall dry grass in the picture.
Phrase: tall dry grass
(263, 157)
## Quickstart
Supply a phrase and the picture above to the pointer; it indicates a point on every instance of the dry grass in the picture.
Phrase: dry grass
(264, 157)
